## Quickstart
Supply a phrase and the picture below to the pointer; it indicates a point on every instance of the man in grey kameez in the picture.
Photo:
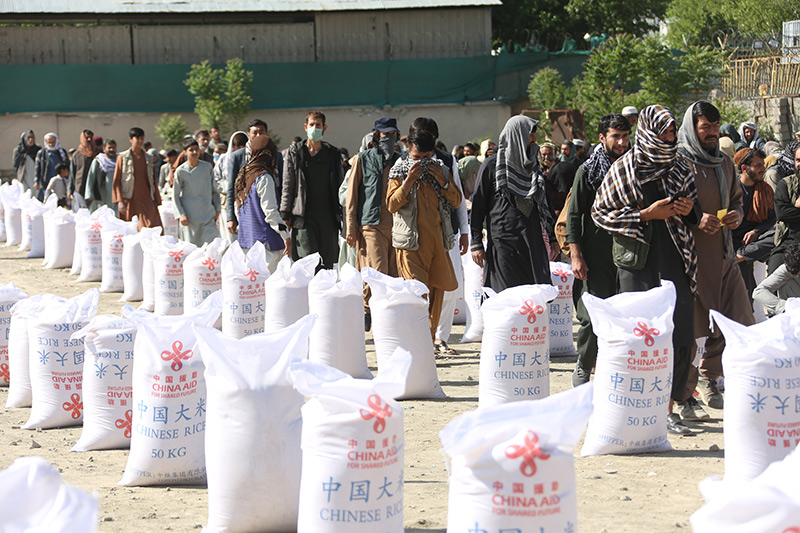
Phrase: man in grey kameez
(720, 285)
(196, 198)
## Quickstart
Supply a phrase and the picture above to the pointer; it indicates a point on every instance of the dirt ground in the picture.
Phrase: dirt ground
(649, 492)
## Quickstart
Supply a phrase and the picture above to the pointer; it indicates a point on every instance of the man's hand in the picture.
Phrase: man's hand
(232, 225)
(479, 256)
(579, 267)
(36, 186)
(352, 238)
(414, 173)
(437, 171)
(463, 243)
(184, 220)
(216, 216)
(683, 206)
(660, 210)
(731, 220)
(749, 237)
(287, 246)
(709, 224)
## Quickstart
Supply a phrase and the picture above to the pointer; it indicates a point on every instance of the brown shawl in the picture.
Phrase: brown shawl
(87, 148)
(262, 161)
(763, 198)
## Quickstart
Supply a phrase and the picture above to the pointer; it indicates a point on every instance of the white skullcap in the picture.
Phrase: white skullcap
(629, 110)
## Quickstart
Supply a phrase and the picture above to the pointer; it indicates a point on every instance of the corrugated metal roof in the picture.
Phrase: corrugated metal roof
(108, 7)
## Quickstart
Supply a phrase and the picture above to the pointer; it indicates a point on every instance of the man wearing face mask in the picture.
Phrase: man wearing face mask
(368, 222)
(312, 175)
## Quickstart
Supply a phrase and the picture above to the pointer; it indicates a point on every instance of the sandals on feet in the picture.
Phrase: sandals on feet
(441, 348)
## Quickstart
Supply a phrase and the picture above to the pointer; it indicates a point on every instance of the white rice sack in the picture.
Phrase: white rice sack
(3, 188)
(168, 258)
(133, 264)
(147, 243)
(19, 388)
(56, 362)
(32, 227)
(202, 272)
(400, 319)
(253, 435)
(243, 288)
(770, 502)
(353, 449)
(112, 250)
(169, 396)
(515, 356)
(512, 466)
(89, 240)
(633, 376)
(287, 291)
(473, 297)
(10, 294)
(170, 219)
(59, 238)
(562, 310)
(77, 256)
(107, 383)
(36, 499)
(13, 215)
(761, 364)
(337, 339)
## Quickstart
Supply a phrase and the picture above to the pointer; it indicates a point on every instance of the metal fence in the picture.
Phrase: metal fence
(763, 77)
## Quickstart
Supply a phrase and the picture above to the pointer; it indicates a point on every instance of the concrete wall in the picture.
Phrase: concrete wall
(346, 126)
(781, 114)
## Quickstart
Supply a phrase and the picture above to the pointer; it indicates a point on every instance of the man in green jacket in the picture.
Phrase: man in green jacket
(590, 246)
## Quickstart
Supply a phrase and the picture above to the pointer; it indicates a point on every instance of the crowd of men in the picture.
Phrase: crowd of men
(690, 205)
(696, 205)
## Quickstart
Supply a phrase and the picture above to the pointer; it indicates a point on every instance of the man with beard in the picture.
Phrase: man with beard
(368, 222)
(590, 246)
(748, 131)
(547, 157)
(648, 196)
(719, 282)
(25, 159)
(754, 239)
(787, 211)
(101, 174)
(783, 166)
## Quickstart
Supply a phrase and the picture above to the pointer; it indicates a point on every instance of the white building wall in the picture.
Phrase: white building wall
(346, 126)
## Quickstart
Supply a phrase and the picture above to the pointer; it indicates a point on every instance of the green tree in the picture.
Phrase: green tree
(695, 22)
(698, 21)
(627, 70)
(551, 21)
(548, 91)
(762, 17)
(618, 16)
(221, 96)
(171, 129)
(548, 21)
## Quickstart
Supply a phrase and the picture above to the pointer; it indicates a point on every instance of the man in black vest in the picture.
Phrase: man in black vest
(368, 223)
